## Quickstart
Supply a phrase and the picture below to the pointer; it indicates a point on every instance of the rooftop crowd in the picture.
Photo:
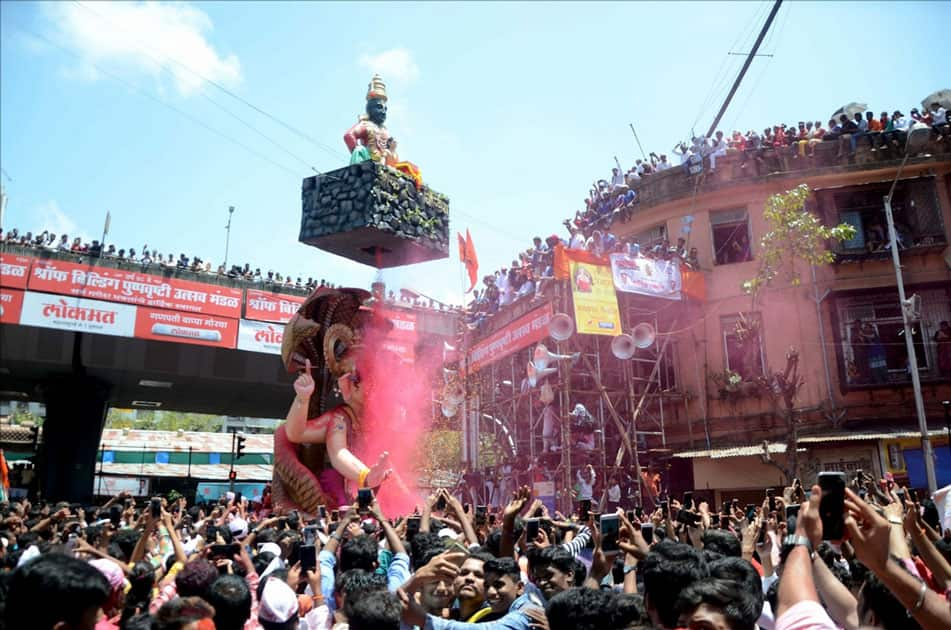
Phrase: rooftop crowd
(868, 555)
(616, 198)
(149, 259)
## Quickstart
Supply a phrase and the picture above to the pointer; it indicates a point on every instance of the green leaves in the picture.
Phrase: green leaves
(795, 236)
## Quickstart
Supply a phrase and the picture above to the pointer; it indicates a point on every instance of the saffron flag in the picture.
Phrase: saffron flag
(467, 255)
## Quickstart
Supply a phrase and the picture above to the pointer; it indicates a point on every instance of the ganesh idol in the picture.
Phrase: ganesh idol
(314, 460)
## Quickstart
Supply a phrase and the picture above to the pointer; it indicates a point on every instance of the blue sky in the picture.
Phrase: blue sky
(510, 109)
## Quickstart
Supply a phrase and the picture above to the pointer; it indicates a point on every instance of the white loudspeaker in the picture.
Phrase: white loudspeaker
(623, 347)
(561, 327)
(644, 335)
(535, 375)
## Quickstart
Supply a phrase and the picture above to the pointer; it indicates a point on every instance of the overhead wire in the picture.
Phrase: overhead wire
(152, 97)
(201, 91)
(325, 147)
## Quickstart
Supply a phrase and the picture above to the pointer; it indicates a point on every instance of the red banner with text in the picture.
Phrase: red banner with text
(401, 340)
(522, 332)
(129, 287)
(11, 304)
(198, 329)
(264, 306)
(14, 270)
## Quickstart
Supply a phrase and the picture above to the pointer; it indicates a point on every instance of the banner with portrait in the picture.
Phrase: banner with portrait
(592, 291)
(647, 276)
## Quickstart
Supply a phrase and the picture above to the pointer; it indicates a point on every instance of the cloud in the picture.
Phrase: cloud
(395, 63)
(146, 38)
(54, 220)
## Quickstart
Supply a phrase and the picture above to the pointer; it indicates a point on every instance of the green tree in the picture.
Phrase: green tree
(796, 238)
(163, 420)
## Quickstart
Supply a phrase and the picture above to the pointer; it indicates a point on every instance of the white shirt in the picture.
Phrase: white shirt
(939, 117)
(719, 146)
(614, 494)
(663, 165)
(902, 123)
(577, 241)
(585, 489)
(618, 179)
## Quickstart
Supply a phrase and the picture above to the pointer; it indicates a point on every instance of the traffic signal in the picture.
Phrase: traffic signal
(239, 447)
(232, 475)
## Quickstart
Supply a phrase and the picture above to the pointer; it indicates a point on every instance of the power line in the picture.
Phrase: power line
(288, 126)
(152, 97)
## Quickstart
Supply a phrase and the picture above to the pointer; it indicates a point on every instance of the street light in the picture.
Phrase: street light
(228, 237)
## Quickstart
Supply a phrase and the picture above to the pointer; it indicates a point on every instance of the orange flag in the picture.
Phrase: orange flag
(467, 255)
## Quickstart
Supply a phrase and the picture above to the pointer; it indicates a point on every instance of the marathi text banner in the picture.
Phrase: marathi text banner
(142, 289)
(647, 276)
(522, 332)
(264, 306)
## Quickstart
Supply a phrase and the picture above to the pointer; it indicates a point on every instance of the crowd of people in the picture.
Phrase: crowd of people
(146, 259)
(616, 198)
(852, 553)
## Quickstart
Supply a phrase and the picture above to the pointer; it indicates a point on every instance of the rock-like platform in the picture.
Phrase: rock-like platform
(374, 215)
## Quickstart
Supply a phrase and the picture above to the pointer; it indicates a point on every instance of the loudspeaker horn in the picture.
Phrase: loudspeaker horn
(623, 347)
(644, 335)
(561, 327)
(535, 375)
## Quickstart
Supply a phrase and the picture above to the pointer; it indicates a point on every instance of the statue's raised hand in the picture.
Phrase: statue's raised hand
(304, 384)
(379, 471)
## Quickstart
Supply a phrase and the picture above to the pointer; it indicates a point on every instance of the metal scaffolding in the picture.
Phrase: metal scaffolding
(631, 401)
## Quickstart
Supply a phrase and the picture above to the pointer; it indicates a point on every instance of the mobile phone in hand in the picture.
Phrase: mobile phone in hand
(237, 498)
(584, 510)
(647, 531)
(771, 499)
(610, 527)
(225, 551)
(832, 504)
(364, 498)
(322, 511)
(665, 509)
(480, 514)
(155, 507)
(531, 529)
(792, 515)
(334, 516)
(440, 503)
(308, 558)
(412, 527)
(688, 500)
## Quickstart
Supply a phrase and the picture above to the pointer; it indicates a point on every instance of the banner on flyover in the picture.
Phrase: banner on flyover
(647, 276)
(592, 292)
(111, 486)
(401, 340)
(11, 305)
(14, 270)
(263, 337)
(129, 287)
(77, 314)
(194, 328)
(520, 333)
(265, 306)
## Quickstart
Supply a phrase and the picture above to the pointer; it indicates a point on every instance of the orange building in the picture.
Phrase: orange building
(845, 321)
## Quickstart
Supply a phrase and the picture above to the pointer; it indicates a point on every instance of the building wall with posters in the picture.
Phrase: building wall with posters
(723, 218)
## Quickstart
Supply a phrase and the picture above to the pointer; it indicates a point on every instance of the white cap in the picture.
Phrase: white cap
(278, 602)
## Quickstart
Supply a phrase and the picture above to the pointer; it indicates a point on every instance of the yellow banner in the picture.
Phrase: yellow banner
(592, 291)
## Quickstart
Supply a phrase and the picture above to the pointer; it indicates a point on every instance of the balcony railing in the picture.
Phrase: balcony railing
(734, 169)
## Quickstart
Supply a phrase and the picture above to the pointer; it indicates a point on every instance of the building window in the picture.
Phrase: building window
(731, 236)
(872, 348)
(915, 209)
(655, 237)
(743, 345)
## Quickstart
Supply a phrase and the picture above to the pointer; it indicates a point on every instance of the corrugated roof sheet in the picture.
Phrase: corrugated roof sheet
(780, 447)
(174, 441)
(246, 472)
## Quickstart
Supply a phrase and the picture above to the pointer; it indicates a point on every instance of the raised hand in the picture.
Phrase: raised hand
(304, 384)
(379, 471)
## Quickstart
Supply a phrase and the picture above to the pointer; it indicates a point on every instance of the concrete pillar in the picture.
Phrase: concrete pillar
(75, 416)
